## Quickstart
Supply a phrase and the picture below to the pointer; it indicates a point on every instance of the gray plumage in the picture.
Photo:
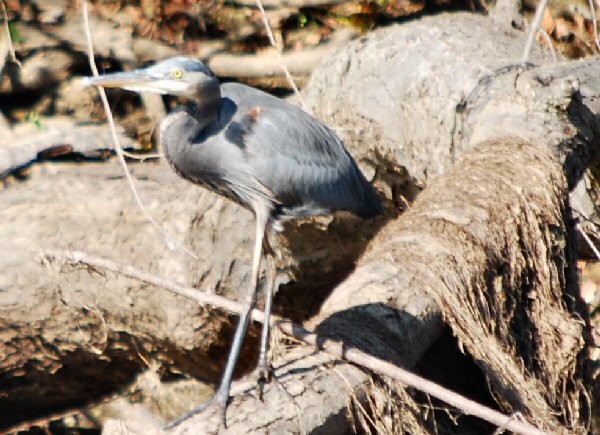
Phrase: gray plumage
(262, 152)
(256, 146)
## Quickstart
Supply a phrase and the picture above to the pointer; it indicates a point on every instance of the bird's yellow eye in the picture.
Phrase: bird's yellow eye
(176, 73)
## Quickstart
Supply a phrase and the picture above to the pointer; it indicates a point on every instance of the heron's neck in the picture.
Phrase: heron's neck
(205, 105)
(183, 127)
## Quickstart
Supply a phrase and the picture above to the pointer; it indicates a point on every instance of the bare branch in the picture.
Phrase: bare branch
(589, 241)
(550, 44)
(595, 23)
(300, 63)
(334, 348)
(78, 258)
(535, 25)
(6, 34)
(274, 44)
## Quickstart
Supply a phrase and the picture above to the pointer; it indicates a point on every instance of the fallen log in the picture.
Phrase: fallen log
(488, 245)
(300, 63)
(440, 250)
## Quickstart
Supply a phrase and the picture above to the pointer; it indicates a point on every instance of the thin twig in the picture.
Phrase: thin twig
(550, 44)
(503, 428)
(75, 258)
(366, 415)
(115, 138)
(589, 241)
(539, 13)
(595, 23)
(12, 56)
(277, 50)
(334, 348)
(142, 157)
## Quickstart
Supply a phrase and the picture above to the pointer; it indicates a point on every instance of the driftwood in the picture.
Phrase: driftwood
(53, 138)
(333, 348)
(433, 229)
(39, 71)
(287, 3)
(48, 63)
(299, 62)
(110, 40)
(488, 245)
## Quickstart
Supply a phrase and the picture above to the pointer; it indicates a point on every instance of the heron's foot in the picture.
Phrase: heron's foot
(218, 401)
(264, 373)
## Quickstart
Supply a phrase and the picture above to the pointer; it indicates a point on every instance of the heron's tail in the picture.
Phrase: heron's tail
(371, 205)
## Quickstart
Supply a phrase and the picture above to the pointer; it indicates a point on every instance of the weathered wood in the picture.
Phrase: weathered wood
(54, 137)
(300, 63)
(441, 250)
(110, 39)
(488, 244)
(554, 105)
(48, 64)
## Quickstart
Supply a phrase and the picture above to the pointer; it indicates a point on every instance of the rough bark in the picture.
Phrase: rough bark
(489, 244)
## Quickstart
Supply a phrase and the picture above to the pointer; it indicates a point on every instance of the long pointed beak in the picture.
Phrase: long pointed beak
(126, 80)
(140, 81)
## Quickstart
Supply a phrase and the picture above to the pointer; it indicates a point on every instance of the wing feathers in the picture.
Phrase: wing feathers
(292, 158)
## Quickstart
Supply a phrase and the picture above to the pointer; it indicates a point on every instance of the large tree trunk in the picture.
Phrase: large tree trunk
(488, 246)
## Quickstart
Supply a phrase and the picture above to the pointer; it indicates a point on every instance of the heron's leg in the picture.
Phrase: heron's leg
(222, 396)
(263, 366)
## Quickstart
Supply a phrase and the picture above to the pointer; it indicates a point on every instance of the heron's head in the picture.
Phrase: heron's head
(179, 76)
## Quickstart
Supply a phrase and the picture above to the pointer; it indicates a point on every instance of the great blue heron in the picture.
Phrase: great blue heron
(265, 154)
